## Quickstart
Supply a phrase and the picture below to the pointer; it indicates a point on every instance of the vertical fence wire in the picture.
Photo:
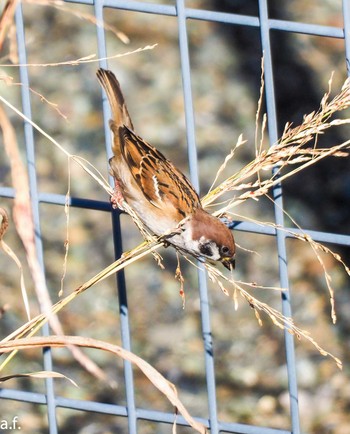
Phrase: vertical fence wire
(123, 303)
(33, 188)
(279, 214)
(192, 156)
(182, 14)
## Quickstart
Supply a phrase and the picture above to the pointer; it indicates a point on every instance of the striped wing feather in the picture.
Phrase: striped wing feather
(156, 176)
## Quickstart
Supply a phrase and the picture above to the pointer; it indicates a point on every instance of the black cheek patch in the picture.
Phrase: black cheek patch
(205, 249)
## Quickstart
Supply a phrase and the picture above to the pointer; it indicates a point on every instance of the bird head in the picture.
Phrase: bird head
(212, 239)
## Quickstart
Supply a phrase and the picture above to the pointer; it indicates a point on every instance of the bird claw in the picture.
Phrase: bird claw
(117, 199)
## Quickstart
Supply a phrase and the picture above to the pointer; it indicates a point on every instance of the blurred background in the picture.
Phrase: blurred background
(226, 67)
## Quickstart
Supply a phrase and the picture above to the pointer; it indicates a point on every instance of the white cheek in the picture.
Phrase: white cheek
(216, 255)
(214, 249)
(185, 242)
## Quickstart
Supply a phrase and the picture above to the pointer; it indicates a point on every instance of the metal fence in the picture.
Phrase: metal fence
(182, 14)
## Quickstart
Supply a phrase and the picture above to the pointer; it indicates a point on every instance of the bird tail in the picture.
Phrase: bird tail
(120, 114)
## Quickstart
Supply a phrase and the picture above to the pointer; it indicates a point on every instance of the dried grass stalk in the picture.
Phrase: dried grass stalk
(293, 148)
(161, 383)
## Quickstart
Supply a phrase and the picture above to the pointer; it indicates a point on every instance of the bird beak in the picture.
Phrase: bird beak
(229, 263)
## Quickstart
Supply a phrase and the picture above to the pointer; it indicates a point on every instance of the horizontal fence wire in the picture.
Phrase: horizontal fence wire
(182, 14)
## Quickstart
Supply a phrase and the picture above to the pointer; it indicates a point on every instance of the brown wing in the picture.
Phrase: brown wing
(157, 177)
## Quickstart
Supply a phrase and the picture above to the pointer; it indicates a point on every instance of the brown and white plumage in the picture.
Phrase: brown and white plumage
(158, 192)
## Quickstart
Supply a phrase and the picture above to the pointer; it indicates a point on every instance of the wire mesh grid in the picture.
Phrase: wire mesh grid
(183, 15)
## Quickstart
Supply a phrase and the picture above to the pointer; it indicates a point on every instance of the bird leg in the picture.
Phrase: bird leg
(117, 199)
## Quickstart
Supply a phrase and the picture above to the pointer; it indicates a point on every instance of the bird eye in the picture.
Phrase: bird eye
(206, 249)
(225, 251)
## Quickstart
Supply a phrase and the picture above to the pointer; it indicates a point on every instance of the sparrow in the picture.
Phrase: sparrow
(161, 195)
